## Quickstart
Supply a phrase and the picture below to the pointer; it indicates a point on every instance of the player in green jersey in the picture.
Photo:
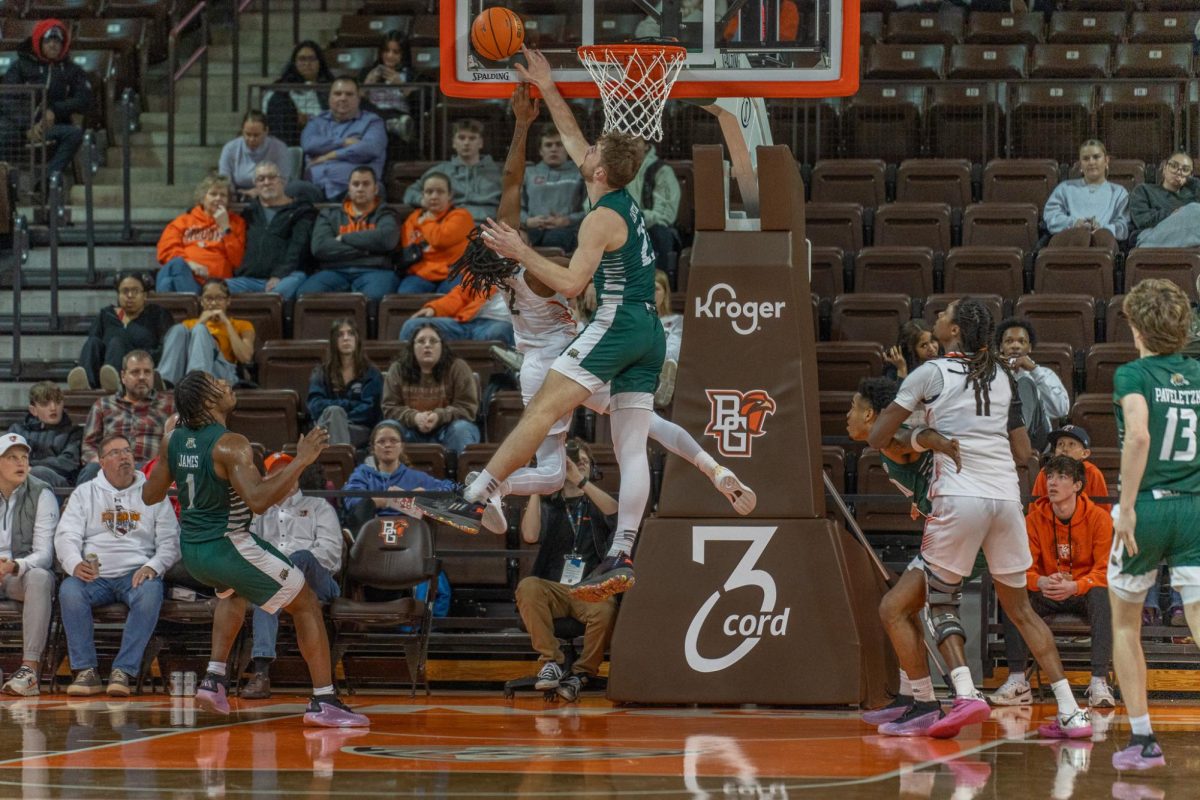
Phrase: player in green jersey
(1158, 400)
(220, 489)
(623, 345)
(910, 469)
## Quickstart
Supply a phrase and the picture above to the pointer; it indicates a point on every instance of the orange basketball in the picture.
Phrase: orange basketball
(497, 33)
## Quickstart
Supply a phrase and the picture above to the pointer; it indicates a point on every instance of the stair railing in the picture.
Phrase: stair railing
(176, 74)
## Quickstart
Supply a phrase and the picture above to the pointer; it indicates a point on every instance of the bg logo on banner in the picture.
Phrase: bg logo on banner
(748, 628)
(736, 418)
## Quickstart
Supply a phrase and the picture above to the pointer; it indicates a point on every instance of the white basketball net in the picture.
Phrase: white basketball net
(634, 83)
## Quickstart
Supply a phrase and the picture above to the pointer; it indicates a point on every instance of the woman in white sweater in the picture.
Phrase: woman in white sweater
(1088, 211)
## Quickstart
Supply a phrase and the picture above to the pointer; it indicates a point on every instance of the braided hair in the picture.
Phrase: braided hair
(976, 334)
(480, 269)
(193, 396)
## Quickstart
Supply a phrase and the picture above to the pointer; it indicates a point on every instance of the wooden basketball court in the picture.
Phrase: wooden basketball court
(476, 745)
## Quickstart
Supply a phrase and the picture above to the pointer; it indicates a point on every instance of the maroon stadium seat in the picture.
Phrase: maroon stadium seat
(904, 270)
(1079, 270)
(913, 224)
(1069, 318)
(841, 365)
(1019, 181)
(849, 180)
(934, 180)
(1001, 225)
(1002, 27)
(1102, 362)
(998, 270)
(834, 225)
(1176, 264)
(863, 317)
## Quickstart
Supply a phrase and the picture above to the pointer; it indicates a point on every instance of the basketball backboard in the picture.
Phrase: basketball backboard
(736, 48)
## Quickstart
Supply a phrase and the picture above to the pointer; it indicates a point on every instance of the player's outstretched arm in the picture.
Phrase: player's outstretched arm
(1134, 453)
(159, 481)
(525, 111)
(234, 457)
(598, 228)
(537, 72)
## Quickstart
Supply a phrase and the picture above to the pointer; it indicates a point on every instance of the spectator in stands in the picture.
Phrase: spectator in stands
(344, 392)
(289, 111)
(1088, 211)
(434, 237)
(206, 242)
(1168, 214)
(307, 531)
(338, 141)
(42, 61)
(381, 82)
(552, 195)
(1151, 612)
(131, 324)
(1044, 399)
(138, 413)
(474, 177)
(574, 527)
(656, 189)
(432, 394)
(214, 342)
(673, 327)
(914, 346)
(256, 145)
(1073, 441)
(55, 443)
(26, 557)
(1069, 538)
(278, 238)
(460, 314)
(387, 470)
(353, 244)
(134, 545)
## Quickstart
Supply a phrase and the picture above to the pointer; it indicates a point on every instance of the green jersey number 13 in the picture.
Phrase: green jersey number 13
(1187, 452)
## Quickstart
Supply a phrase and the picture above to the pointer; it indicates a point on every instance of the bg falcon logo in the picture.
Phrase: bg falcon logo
(736, 418)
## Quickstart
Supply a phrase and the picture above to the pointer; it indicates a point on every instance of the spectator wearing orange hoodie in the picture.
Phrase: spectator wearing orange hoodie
(206, 242)
(460, 314)
(1073, 441)
(434, 237)
(1069, 538)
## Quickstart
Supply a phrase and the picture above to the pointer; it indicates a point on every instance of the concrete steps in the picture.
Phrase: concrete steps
(108, 260)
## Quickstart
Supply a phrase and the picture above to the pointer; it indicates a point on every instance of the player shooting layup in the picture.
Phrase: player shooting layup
(623, 345)
(219, 488)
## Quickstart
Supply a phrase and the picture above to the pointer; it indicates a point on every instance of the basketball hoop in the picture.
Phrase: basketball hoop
(634, 81)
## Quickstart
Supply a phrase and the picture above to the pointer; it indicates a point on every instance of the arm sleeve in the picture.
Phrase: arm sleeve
(68, 536)
(666, 198)
(1142, 211)
(370, 147)
(1119, 224)
(1053, 393)
(1016, 412)
(1056, 215)
(923, 385)
(43, 533)
(328, 546)
(166, 538)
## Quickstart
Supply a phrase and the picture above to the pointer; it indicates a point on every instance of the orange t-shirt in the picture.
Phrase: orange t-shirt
(221, 335)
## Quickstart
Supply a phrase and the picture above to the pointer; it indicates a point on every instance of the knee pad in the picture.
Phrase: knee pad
(940, 592)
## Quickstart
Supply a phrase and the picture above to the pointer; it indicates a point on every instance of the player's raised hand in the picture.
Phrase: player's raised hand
(525, 108)
(536, 69)
(1124, 527)
(311, 444)
(502, 238)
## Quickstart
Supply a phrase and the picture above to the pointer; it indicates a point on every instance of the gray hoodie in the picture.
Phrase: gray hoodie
(476, 188)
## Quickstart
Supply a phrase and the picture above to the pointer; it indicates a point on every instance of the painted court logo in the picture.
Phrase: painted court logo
(736, 418)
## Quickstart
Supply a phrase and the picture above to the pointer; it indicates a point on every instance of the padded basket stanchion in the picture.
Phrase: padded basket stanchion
(634, 81)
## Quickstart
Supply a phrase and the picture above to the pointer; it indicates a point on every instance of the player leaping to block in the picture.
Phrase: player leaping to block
(543, 327)
(909, 465)
(968, 395)
(220, 489)
(623, 345)
(1158, 517)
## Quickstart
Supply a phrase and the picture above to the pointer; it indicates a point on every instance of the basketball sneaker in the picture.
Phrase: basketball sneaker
(611, 576)
(916, 721)
(453, 511)
(889, 713)
(740, 495)
(330, 712)
(493, 516)
(1143, 752)
(1077, 725)
(211, 694)
(965, 711)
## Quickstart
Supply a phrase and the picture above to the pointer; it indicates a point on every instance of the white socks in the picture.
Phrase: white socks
(964, 686)
(922, 690)
(1066, 700)
(482, 488)
(320, 690)
(216, 668)
(1141, 725)
(905, 684)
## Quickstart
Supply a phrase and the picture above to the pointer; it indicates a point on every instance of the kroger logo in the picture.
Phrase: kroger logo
(721, 302)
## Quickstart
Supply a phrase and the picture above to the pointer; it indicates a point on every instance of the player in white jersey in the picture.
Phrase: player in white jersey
(968, 395)
(543, 326)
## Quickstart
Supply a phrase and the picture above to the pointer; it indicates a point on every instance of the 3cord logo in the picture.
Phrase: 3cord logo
(751, 628)
(743, 317)
(736, 418)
